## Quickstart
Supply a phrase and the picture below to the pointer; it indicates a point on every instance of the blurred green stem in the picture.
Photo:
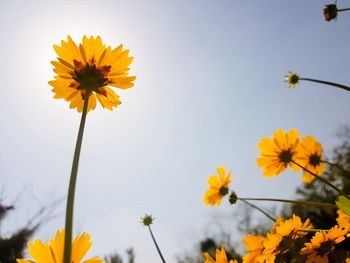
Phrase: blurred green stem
(257, 208)
(155, 243)
(338, 167)
(340, 86)
(320, 178)
(297, 202)
(72, 184)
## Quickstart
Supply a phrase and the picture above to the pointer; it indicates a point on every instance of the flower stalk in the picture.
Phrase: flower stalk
(320, 178)
(72, 184)
(156, 244)
(297, 202)
(257, 208)
(337, 85)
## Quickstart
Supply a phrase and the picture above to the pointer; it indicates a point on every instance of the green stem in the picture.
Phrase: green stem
(320, 178)
(343, 9)
(312, 230)
(257, 208)
(328, 83)
(155, 243)
(337, 166)
(72, 184)
(297, 202)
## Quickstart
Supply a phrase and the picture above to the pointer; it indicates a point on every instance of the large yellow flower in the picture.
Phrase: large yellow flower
(322, 244)
(218, 187)
(309, 155)
(283, 236)
(90, 68)
(53, 252)
(277, 153)
(220, 257)
(291, 227)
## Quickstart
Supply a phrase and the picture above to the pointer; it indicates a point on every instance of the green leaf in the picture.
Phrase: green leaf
(343, 203)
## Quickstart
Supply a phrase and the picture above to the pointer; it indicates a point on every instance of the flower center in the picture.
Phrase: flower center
(89, 77)
(315, 159)
(223, 190)
(285, 156)
(325, 248)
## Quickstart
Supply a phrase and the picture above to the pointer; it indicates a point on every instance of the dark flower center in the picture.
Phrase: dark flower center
(315, 159)
(294, 79)
(325, 248)
(286, 156)
(223, 190)
(89, 77)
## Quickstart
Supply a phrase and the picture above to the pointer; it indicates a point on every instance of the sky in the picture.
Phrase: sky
(210, 85)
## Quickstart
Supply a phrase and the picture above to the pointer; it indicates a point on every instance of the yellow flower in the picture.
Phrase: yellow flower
(90, 68)
(343, 220)
(309, 155)
(254, 244)
(292, 79)
(322, 244)
(283, 237)
(218, 187)
(290, 227)
(220, 257)
(277, 153)
(53, 252)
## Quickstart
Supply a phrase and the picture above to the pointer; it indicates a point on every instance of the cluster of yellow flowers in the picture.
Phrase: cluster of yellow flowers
(287, 149)
(283, 150)
(289, 235)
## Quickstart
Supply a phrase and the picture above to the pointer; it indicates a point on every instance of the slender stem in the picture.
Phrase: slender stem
(72, 184)
(155, 243)
(343, 9)
(328, 83)
(337, 166)
(320, 178)
(312, 230)
(297, 202)
(257, 208)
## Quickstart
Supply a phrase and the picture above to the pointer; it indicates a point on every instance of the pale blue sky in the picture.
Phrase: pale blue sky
(209, 87)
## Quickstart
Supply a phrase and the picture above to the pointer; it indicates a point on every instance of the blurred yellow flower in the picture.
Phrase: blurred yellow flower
(254, 244)
(283, 236)
(343, 221)
(53, 252)
(322, 244)
(90, 68)
(218, 187)
(290, 227)
(277, 153)
(309, 155)
(292, 79)
(220, 257)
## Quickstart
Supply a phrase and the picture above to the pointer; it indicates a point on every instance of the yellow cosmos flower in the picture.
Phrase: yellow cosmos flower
(218, 187)
(255, 246)
(290, 227)
(220, 257)
(283, 236)
(322, 244)
(292, 79)
(53, 252)
(343, 221)
(90, 68)
(277, 153)
(309, 155)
